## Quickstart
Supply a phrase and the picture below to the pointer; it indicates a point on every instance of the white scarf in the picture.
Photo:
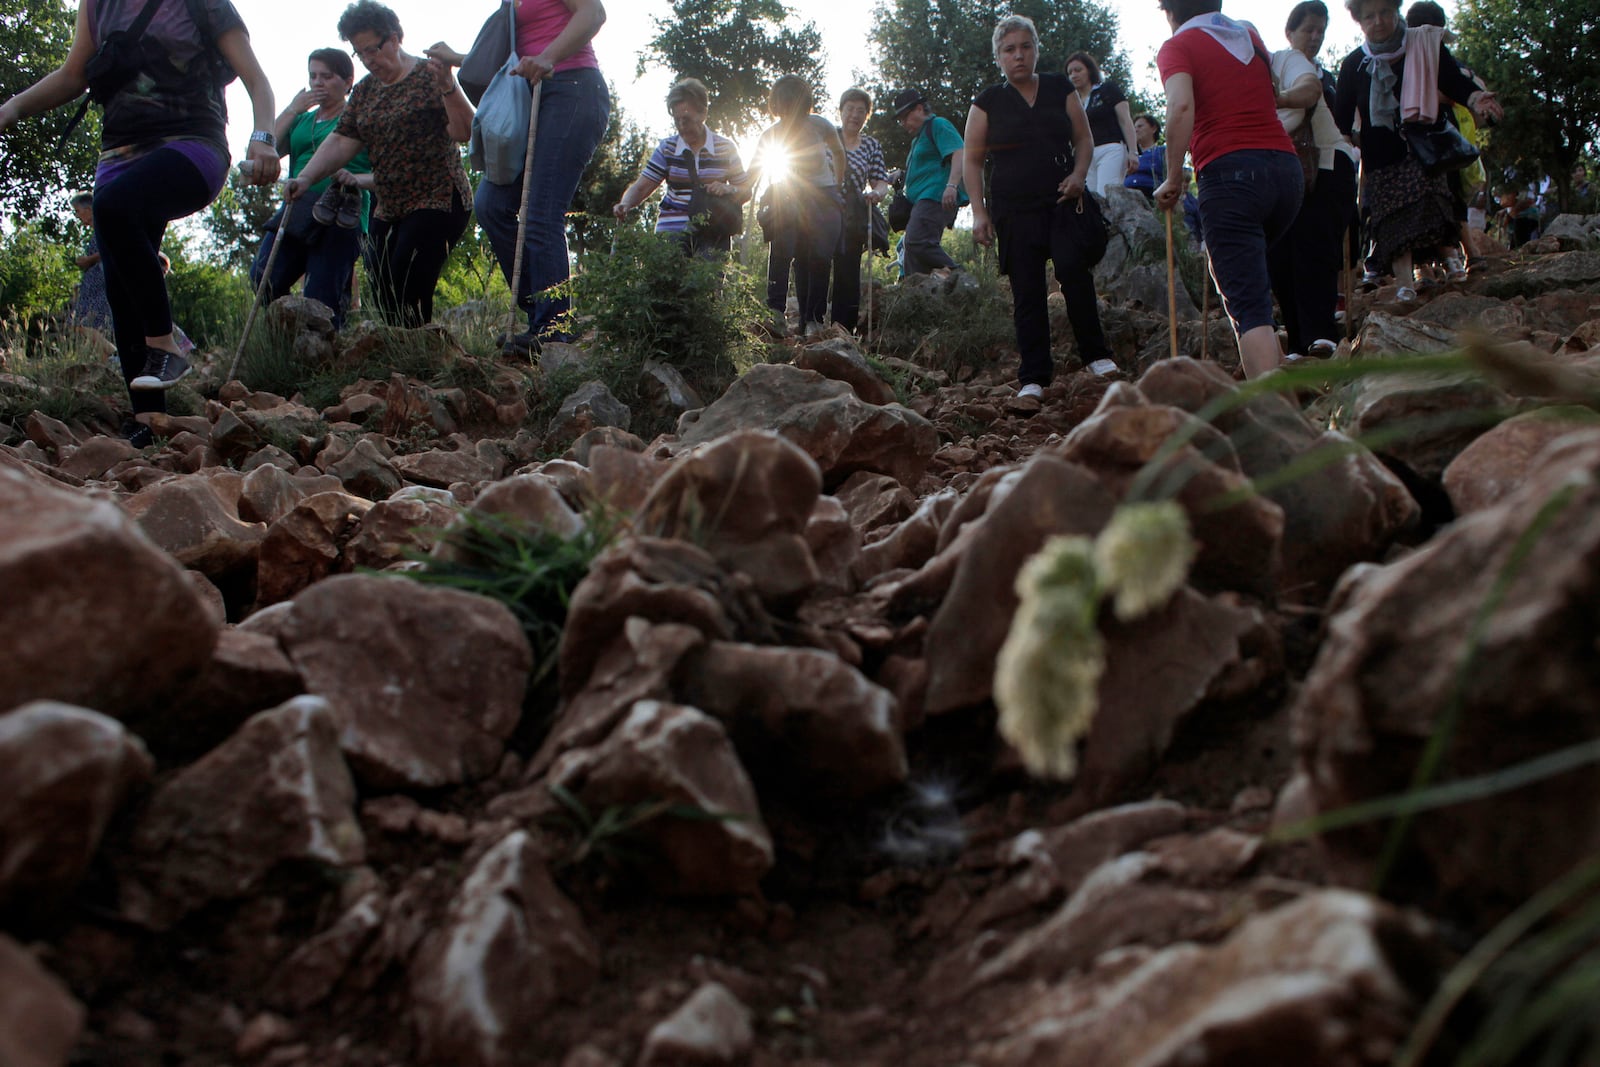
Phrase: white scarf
(1230, 34)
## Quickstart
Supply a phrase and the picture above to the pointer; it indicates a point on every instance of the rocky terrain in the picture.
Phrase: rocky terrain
(735, 795)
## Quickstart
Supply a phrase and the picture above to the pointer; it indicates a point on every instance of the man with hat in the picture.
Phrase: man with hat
(932, 185)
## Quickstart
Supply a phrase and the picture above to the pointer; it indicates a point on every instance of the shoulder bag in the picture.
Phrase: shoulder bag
(1438, 147)
(489, 51)
(499, 143)
(711, 218)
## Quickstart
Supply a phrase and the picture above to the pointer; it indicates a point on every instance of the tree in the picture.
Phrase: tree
(738, 48)
(1545, 73)
(235, 218)
(945, 48)
(37, 174)
(616, 163)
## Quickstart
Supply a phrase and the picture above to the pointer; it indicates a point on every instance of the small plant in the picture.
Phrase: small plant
(965, 328)
(1048, 671)
(532, 571)
(612, 836)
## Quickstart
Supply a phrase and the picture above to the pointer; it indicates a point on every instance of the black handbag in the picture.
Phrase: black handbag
(711, 218)
(1085, 228)
(1438, 147)
(488, 53)
(899, 211)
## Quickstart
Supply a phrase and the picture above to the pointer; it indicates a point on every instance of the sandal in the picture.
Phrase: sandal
(1321, 349)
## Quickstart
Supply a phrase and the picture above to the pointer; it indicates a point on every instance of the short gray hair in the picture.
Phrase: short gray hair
(689, 90)
(1009, 25)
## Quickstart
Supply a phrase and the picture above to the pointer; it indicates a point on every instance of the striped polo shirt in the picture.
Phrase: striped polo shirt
(717, 161)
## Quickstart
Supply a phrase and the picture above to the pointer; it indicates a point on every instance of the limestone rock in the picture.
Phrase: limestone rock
(746, 499)
(874, 500)
(1494, 465)
(675, 755)
(442, 468)
(838, 358)
(510, 947)
(711, 1028)
(269, 492)
(1392, 667)
(204, 838)
(425, 683)
(366, 472)
(66, 771)
(185, 517)
(391, 529)
(306, 545)
(40, 1022)
(94, 614)
(588, 406)
(1434, 417)
(812, 717)
(836, 428)
(667, 391)
(248, 673)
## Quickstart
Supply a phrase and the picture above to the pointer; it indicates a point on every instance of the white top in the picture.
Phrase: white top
(1290, 67)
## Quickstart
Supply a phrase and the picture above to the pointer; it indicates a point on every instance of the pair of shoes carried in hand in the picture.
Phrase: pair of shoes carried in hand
(338, 206)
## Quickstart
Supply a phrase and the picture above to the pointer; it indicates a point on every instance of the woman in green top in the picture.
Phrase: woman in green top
(323, 251)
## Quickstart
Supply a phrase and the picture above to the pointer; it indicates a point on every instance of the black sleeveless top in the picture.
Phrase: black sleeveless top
(1030, 148)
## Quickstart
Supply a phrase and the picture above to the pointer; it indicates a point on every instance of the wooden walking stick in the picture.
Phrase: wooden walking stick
(522, 212)
(1205, 304)
(866, 296)
(1172, 294)
(261, 291)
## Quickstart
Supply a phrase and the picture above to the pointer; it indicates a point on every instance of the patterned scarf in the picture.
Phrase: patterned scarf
(1383, 103)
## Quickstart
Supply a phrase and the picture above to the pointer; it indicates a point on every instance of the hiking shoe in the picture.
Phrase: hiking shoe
(1406, 295)
(1104, 367)
(1370, 280)
(519, 345)
(1033, 389)
(137, 434)
(326, 209)
(162, 370)
(348, 215)
(1322, 349)
(1455, 269)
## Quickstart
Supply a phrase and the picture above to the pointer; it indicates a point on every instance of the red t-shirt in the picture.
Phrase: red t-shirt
(1235, 107)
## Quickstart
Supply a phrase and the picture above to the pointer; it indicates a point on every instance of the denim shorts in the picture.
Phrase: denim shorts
(1248, 200)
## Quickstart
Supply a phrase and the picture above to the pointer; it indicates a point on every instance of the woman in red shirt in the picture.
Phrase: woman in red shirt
(1221, 108)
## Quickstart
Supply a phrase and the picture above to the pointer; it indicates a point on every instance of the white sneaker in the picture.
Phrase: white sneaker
(1032, 389)
(1104, 367)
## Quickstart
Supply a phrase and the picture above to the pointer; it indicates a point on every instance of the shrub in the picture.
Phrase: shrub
(37, 274)
(967, 327)
(208, 301)
(647, 301)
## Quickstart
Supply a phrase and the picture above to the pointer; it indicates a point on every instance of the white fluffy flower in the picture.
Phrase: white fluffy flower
(1143, 556)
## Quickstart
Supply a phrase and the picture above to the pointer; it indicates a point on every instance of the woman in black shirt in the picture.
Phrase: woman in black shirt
(1032, 128)
(1116, 147)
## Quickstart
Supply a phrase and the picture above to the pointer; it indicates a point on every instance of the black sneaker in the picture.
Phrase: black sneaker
(348, 215)
(326, 209)
(137, 434)
(162, 370)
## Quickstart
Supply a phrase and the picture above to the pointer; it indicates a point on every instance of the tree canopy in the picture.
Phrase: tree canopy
(738, 48)
(1545, 72)
(36, 173)
(943, 47)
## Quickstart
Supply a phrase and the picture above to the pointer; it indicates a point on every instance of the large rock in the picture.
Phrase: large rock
(826, 418)
(1321, 982)
(396, 529)
(744, 498)
(510, 947)
(1047, 496)
(838, 358)
(306, 545)
(66, 771)
(40, 1022)
(426, 683)
(1239, 545)
(94, 614)
(661, 581)
(667, 754)
(588, 406)
(1541, 274)
(1426, 419)
(821, 723)
(1349, 510)
(1409, 653)
(248, 672)
(1494, 466)
(205, 837)
(269, 492)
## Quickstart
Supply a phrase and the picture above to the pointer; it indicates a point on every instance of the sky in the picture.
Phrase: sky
(285, 31)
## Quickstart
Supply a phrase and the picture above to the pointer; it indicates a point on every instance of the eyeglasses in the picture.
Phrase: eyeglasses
(368, 54)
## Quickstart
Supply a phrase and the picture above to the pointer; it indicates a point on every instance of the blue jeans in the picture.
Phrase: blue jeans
(1248, 200)
(574, 107)
(327, 264)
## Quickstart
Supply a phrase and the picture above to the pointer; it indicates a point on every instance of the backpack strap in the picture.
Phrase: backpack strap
(135, 30)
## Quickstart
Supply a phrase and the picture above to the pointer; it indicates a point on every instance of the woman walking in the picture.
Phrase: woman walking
(1305, 265)
(1116, 148)
(1220, 103)
(323, 251)
(1032, 128)
(1410, 212)
(867, 185)
(410, 115)
(164, 156)
(808, 212)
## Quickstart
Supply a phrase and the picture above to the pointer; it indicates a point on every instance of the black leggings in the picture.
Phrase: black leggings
(406, 256)
(131, 213)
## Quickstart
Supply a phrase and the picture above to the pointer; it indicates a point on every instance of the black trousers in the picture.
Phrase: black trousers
(1028, 240)
(406, 257)
(131, 213)
(1304, 265)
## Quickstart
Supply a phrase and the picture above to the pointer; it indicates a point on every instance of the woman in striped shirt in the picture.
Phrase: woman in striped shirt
(868, 183)
(716, 167)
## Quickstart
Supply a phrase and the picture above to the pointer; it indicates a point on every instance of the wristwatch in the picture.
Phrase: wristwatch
(265, 137)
